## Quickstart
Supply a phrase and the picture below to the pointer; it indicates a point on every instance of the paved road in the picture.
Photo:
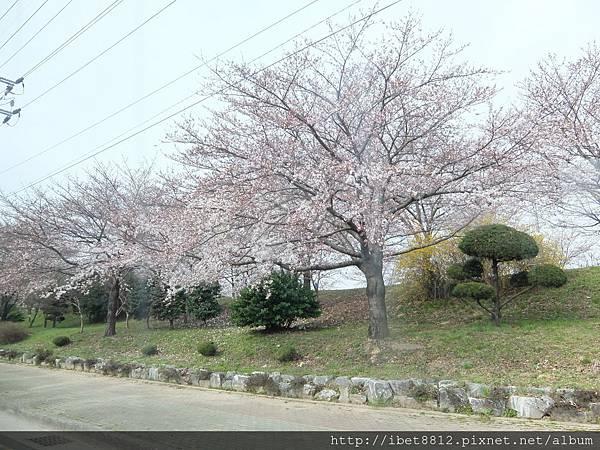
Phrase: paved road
(11, 421)
(59, 399)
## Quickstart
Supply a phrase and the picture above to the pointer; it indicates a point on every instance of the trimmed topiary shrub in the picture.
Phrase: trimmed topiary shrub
(547, 275)
(11, 332)
(274, 303)
(207, 349)
(61, 341)
(288, 354)
(498, 243)
(473, 290)
(150, 350)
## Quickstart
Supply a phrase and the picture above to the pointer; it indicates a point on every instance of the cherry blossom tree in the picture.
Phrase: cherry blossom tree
(82, 230)
(332, 151)
(563, 99)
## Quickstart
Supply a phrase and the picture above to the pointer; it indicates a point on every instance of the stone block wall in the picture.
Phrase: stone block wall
(439, 395)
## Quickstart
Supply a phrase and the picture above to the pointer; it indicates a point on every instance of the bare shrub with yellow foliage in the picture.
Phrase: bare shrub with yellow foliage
(422, 272)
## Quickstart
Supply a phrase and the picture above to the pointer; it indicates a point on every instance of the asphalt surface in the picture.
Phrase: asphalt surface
(11, 421)
(33, 398)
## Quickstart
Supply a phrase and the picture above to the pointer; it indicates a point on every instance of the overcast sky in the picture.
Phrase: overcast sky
(507, 35)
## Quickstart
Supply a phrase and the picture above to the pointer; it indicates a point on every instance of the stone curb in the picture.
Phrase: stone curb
(572, 405)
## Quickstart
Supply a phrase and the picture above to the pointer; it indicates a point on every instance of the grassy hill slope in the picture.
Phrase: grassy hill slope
(551, 337)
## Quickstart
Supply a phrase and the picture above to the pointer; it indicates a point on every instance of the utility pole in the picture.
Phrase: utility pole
(9, 114)
(10, 84)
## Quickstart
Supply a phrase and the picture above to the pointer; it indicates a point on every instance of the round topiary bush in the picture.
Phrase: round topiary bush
(207, 349)
(498, 242)
(150, 350)
(11, 332)
(288, 354)
(61, 341)
(473, 290)
(547, 275)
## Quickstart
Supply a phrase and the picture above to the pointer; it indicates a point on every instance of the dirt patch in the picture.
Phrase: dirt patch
(402, 347)
(344, 306)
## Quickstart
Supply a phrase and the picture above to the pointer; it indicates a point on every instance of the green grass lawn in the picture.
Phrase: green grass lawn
(549, 338)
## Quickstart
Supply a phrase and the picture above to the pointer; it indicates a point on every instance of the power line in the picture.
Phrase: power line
(36, 34)
(99, 55)
(164, 86)
(8, 10)
(194, 94)
(75, 36)
(176, 113)
(24, 23)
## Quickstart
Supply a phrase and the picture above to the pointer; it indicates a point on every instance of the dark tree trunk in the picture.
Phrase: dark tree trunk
(316, 289)
(171, 323)
(7, 305)
(497, 314)
(306, 279)
(113, 306)
(372, 267)
(32, 320)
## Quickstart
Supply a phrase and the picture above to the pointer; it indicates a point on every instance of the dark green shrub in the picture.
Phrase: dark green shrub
(274, 303)
(456, 272)
(150, 350)
(171, 307)
(207, 349)
(473, 290)
(202, 301)
(288, 354)
(43, 354)
(11, 332)
(519, 279)
(61, 341)
(547, 275)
